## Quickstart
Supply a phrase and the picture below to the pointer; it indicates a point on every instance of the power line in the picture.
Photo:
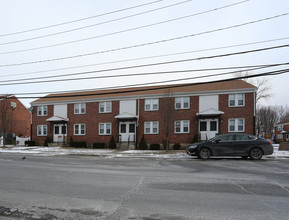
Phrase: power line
(277, 72)
(9, 82)
(82, 19)
(149, 57)
(145, 44)
(93, 25)
(112, 33)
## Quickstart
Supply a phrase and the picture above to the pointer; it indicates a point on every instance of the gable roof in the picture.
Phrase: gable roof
(284, 121)
(150, 90)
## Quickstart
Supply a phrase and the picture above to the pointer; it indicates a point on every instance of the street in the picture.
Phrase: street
(83, 187)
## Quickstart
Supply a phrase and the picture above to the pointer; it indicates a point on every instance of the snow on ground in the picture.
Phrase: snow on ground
(54, 151)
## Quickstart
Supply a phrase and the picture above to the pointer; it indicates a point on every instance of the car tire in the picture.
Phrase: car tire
(204, 153)
(256, 153)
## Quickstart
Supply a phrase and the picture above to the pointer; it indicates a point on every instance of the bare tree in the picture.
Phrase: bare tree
(262, 84)
(266, 119)
(282, 112)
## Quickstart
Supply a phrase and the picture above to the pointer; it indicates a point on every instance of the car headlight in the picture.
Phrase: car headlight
(192, 146)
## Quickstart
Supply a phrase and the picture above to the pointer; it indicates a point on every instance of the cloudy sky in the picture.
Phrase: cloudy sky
(55, 46)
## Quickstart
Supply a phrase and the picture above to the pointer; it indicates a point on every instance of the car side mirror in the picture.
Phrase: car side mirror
(215, 141)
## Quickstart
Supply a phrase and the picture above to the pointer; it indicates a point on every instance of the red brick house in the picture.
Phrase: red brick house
(175, 113)
(282, 131)
(15, 118)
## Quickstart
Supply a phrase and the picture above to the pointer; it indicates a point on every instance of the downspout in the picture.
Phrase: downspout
(137, 123)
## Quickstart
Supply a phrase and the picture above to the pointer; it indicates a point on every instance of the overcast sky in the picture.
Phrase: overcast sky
(52, 38)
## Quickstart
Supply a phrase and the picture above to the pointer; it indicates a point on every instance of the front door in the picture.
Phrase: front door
(127, 131)
(287, 137)
(208, 128)
(60, 133)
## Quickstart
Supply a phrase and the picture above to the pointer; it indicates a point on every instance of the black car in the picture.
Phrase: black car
(243, 145)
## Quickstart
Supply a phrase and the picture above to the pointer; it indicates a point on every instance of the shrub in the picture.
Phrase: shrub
(155, 146)
(143, 144)
(112, 144)
(196, 138)
(79, 144)
(29, 143)
(47, 141)
(98, 145)
(176, 146)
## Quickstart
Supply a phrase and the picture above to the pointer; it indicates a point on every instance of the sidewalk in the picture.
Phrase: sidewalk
(55, 151)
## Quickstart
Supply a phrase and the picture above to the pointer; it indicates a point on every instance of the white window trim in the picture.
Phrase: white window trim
(79, 107)
(151, 104)
(42, 110)
(236, 100)
(105, 105)
(79, 129)
(182, 102)
(42, 130)
(182, 127)
(105, 125)
(280, 128)
(236, 124)
(151, 127)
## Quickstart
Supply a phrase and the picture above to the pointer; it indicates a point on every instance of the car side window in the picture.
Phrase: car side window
(229, 137)
(242, 137)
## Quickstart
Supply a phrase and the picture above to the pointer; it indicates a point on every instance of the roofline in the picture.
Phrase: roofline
(156, 95)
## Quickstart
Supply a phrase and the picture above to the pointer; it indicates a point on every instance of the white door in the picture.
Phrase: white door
(208, 128)
(127, 131)
(60, 133)
(287, 137)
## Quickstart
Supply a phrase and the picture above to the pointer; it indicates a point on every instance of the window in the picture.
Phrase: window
(79, 108)
(104, 128)
(236, 100)
(280, 128)
(279, 136)
(151, 127)
(182, 126)
(151, 104)
(41, 130)
(182, 103)
(105, 107)
(79, 129)
(42, 110)
(237, 125)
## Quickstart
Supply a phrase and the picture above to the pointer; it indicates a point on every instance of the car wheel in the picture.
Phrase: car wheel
(256, 154)
(204, 153)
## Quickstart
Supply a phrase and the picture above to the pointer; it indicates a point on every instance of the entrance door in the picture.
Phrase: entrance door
(60, 133)
(287, 137)
(127, 131)
(208, 128)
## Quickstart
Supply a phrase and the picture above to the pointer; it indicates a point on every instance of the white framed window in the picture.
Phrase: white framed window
(236, 100)
(151, 104)
(236, 125)
(182, 126)
(42, 110)
(182, 103)
(104, 128)
(79, 129)
(41, 130)
(151, 127)
(79, 108)
(105, 107)
(280, 128)
(279, 136)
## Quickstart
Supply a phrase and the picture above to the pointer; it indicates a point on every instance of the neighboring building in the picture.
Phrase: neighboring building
(282, 131)
(15, 119)
(174, 113)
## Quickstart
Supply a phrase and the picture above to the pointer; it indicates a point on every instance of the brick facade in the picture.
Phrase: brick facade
(166, 116)
(282, 131)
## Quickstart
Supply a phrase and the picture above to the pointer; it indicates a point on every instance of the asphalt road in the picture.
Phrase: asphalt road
(75, 187)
